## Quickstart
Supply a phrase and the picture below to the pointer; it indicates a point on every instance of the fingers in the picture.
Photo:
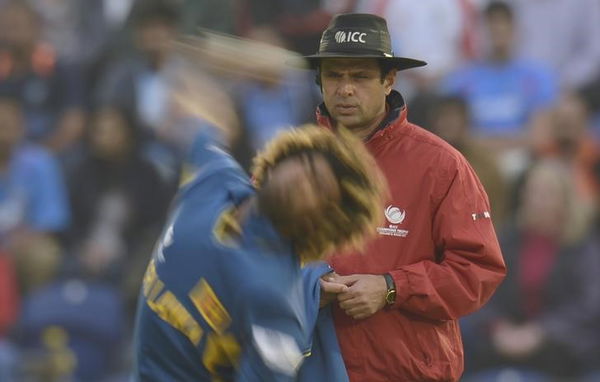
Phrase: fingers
(346, 296)
(329, 276)
(358, 311)
(332, 287)
(347, 280)
(347, 301)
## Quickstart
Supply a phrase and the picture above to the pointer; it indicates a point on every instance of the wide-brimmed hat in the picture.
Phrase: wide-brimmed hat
(359, 35)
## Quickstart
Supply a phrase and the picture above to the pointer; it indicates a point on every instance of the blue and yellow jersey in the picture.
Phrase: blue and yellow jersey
(217, 306)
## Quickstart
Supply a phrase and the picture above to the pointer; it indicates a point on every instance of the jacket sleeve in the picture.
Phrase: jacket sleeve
(467, 266)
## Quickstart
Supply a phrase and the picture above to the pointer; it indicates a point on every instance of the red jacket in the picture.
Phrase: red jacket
(439, 245)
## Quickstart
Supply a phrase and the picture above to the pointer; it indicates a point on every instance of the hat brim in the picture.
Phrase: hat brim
(400, 63)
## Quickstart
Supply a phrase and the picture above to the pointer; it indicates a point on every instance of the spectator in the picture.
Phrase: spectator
(70, 330)
(33, 209)
(450, 119)
(562, 34)
(569, 138)
(86, 33)
(507, 95)
(50, 91)
(439, 31)
(545, 315)
(115, 215)
(81, 29)
(138, 82)
(32, 191)
(36, 262)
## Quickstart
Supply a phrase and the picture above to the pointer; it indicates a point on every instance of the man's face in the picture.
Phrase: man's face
(18, 27)
(353, 91)
(153, 38)
(109, 135)
(501, 34)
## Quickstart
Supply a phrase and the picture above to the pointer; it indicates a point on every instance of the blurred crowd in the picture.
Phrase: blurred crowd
(87, 171)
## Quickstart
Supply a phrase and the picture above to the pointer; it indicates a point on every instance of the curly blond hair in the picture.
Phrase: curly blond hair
(342, 225)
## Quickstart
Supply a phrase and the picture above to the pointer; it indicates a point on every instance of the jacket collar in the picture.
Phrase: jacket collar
(396, 116)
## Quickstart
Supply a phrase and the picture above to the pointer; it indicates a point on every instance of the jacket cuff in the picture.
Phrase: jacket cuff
(402, 286)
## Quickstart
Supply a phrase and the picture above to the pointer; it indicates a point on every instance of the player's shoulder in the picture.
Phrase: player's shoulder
(216, 183)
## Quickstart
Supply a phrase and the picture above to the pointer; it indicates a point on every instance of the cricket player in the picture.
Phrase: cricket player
(222, 297)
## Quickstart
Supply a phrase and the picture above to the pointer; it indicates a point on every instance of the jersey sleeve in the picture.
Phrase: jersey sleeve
(273, 355)
(203, 147)
(275, 334)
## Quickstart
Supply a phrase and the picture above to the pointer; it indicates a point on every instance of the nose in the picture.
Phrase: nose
(345, 88)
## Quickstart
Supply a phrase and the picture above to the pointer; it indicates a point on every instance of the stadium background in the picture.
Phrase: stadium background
(87, 172)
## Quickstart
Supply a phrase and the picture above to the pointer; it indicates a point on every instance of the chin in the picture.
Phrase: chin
(348, 121)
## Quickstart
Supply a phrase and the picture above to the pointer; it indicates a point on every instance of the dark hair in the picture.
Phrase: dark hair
(384, 67)
(455, 101)
(499, 8)
(162, 11)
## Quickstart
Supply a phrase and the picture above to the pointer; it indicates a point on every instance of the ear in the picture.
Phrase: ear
(389, 80)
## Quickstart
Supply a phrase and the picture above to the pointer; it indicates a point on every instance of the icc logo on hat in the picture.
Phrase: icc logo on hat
(341, 37)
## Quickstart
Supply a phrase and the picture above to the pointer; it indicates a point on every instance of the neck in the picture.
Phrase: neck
(501, 55)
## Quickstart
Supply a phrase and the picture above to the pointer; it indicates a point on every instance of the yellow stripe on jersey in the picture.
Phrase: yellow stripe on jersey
(220, 351)
(152, 285)
(167, 307)
(188, 173)
(209, 306)
(227, 227)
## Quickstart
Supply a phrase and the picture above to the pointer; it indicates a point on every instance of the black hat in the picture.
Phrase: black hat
(359, 35)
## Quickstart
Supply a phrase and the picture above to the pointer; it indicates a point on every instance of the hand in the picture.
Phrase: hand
(197, 94)
(330, 288)
(365, 295)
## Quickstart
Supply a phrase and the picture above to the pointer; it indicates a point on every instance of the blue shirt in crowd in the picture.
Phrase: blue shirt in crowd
(33, 192)
(503, 97)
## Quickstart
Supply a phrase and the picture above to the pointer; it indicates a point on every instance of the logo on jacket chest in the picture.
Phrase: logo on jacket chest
(395, 216)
